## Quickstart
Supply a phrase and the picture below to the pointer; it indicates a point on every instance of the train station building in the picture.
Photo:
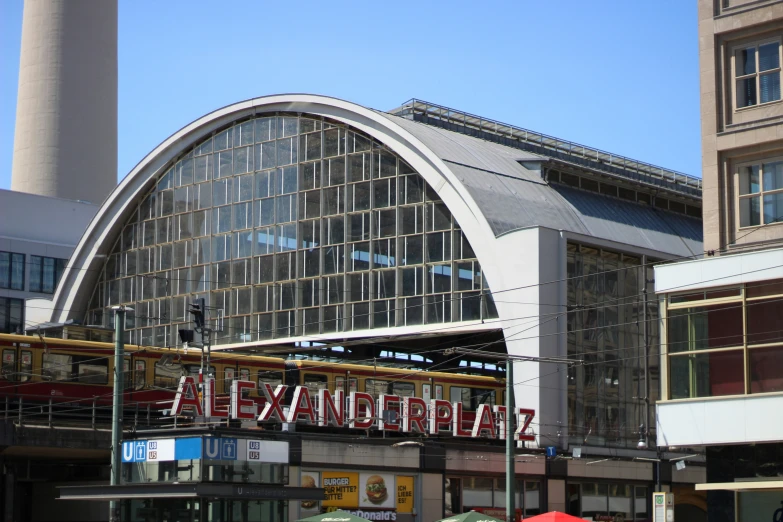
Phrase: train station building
(318, 231)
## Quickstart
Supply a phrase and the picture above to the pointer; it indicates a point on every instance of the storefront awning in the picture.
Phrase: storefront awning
(741, 486)
(190, 490)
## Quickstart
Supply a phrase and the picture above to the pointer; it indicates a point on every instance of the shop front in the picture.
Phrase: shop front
(374, 495)
(202, 479)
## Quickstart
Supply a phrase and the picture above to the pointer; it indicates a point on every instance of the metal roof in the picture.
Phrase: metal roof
(511, 196)
(524, 139)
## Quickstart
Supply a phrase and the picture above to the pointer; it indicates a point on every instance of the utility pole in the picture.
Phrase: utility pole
(510, 471)
(116, 426)
(510, 441)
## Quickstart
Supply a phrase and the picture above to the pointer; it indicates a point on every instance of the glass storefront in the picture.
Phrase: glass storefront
(608, 501)
(203, 510)
(488, 495)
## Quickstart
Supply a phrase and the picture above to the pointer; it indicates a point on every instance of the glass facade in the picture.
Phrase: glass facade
(606, 329)
(45, 273)
(488, 495)
(11, 315)
(725, 341)
(289, 225)
(608, 501)
(12, 270)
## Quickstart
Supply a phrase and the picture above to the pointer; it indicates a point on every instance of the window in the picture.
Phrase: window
(11, 271)
(757, 73)
(274, 379)
(761, 194)
(45, 273)
(11, 315)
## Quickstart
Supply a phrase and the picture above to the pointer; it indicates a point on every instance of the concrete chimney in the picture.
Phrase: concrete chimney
(65, 141)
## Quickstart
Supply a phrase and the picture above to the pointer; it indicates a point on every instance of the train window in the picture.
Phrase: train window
(375, 387)
(457, 394)
(127, 377)
(140, 374)
(244, 374)
(471, 398)
(439, 391)
(271, 378)
(167, 373)
(404, 389)
(353, 384)
(483, 397)
(26, 366)
(228, 378)
(56, 367)
(91, 370)
(339, 384)
(314, 383)
(426, 392)
(8, 370)
(195, 369)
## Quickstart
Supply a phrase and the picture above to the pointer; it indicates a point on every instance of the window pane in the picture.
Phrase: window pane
(746, 61)
(769, 85)
(766, 370)
(773, 176)
(746, 92)
(750, 212)
(702, 328)
(773, 208)
(768, 57)
(5, 269)
(17, 273)
(765, 322)
(750, 178)
(708, 374)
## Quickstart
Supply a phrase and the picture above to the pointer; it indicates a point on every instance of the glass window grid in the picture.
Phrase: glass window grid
(234, 201)
(741, 300)
(758, 190)
(12, 270)
(751, 76)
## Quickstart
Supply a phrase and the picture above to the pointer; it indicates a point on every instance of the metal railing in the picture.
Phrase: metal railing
(510, 135)
(78, 412)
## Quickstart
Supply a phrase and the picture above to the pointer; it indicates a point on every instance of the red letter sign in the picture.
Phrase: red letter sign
(441, 413)
(187, 397)
(240, 406)
(273, 408)
(301, 405)
(354, 411)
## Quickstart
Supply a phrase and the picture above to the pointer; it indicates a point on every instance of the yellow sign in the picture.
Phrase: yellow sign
(342, 489)
(404, 494)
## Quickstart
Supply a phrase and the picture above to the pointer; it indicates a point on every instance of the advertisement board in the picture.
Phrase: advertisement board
(404, 494)
(377, 495)
(342, 489)
(377, 491)
(310, 479)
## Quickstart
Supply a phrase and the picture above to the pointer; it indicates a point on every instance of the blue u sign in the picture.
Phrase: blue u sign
(127, 451)
(212, 448)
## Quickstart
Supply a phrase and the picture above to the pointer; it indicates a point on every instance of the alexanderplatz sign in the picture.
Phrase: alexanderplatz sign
(413, 414)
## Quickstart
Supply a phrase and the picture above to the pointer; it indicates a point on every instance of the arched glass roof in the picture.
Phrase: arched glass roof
(289, 225)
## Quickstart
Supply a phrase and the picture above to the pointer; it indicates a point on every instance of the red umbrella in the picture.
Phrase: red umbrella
(554, 516)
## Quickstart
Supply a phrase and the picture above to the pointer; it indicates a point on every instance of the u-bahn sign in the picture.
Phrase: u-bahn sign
(209, 448)
(386, 413)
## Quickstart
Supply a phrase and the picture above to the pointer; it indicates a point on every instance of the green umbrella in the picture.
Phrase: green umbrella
(471, 516)
(334, 516)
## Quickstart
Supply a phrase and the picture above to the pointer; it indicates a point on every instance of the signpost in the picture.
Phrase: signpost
(663, 507)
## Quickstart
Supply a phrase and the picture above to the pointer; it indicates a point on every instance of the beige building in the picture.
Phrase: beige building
(742, 123)
(721, 316)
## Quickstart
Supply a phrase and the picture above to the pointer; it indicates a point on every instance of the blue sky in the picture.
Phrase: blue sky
(616, 75)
